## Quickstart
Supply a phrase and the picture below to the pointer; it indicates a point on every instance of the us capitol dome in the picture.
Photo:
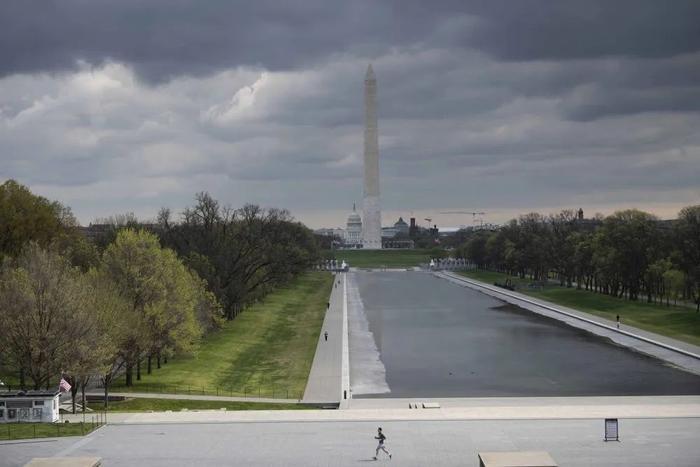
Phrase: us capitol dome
(353, 231)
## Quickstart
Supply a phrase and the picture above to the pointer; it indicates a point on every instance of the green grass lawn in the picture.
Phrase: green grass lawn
(678, 322)
(380, 258)
(160, 405)
(43, 430)
(266, 351)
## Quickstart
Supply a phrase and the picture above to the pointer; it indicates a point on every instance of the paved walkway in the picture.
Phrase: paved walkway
(325, 378)
(681, 354)
(509, 408)
(573, 443)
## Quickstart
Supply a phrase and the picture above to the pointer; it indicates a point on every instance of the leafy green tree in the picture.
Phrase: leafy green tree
(674, 282)
(582, 246)
(162, 293)
(561, 248)
(96, 352)
(133, 263)
(654, 282)
(626, 246)
(532, 246)
(25, 217)
(476, 250)
(688, 244)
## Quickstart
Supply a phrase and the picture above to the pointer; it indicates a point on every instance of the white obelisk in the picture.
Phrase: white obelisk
(372, 218)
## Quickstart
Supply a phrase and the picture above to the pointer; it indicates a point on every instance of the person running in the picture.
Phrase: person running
(380, 436)
(325, 335)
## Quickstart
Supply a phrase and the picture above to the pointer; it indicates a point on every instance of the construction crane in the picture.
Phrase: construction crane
(473, 213)
(429, 220)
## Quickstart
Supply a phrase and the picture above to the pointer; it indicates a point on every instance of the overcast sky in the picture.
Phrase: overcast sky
(505, 107)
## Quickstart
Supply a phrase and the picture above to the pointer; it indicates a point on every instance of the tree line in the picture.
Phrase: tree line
(135, 294)
(630, 254)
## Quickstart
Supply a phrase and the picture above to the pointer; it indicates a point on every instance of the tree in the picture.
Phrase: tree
(96, 352)
(25, 217)
(111, 226)
(124, 327)
(654, 282)
(162, 294)
(532, 246)
(626, 245)
(476, 251)
(674, 282)
(688, 244)
(172, 323)
(241, 253)
(45, 313)
(562, 249)
(133, 263)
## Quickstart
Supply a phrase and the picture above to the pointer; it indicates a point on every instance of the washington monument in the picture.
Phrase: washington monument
(372, 217)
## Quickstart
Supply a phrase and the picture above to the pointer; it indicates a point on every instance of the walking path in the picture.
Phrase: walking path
(681, 354)
(514, 408)
(326, 380)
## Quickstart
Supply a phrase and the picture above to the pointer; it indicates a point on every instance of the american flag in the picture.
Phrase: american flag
(64, 386)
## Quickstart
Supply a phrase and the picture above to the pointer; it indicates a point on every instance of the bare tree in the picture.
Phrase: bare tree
(45, 304)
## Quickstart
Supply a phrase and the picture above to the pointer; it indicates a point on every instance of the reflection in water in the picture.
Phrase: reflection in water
(435, 338)
(367, 372)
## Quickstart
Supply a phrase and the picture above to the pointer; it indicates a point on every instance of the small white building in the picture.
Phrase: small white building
(29, 406)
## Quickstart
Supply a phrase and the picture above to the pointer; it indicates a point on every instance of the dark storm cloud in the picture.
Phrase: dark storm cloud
(566, 29)
(165, 38)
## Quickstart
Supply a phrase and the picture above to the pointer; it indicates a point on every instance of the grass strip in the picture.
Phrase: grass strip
(380, 258)
(267, 351)
(10, 431)
(677, 322)
(161, 405)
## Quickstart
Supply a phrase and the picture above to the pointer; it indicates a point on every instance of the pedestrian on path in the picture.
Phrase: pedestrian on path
(380, 436)
(325, 335)
(618, 321)
(328, 305)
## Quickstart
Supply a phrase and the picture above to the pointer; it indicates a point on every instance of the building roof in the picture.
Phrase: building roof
(31, 393)
(400, 222)
(354, 217)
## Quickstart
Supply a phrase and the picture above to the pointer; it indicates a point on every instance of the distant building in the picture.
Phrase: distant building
(401, 227)
(388, 232)
(353, 230)
(332, 232)
(95, 231)
(448, 231)
(405, 243)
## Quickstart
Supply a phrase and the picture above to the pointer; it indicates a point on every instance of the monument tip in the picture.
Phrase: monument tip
(370, 72)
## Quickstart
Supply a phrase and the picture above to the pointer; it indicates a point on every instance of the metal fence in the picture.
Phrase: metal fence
(31, 430)
(271, 391)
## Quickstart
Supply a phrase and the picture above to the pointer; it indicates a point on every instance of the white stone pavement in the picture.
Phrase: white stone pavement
(572, 443)
(678, 353)
(328, 376)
